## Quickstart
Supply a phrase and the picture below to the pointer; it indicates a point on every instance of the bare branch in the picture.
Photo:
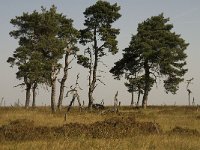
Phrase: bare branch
(103, 63)
(189, 82)
(69, 68)
(101, 81)
(70, 91)
(101, 46)
(71, 60)
(22, 84)
(77, 77)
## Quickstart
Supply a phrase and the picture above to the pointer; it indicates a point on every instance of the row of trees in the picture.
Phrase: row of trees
(46, 37)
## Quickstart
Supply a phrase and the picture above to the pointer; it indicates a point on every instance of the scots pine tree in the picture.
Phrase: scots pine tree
(154, 52)
(99, 36)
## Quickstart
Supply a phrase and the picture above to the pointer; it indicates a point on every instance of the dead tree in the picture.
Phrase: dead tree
(188, 90)
(193, 102)
(75, 95)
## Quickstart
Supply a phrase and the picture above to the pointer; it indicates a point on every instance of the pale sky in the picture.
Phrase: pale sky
(183, 14)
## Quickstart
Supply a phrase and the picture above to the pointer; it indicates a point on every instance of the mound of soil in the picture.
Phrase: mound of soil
(184, 131)
(117, 127)
(18, 129)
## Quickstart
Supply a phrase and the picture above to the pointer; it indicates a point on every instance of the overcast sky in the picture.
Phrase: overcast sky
(183, 14)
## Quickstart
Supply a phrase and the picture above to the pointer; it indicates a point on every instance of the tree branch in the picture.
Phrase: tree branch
(101, 81)
(22, 84)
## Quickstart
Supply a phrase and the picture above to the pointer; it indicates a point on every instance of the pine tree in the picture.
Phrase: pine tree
(98, 36)
(154, 52)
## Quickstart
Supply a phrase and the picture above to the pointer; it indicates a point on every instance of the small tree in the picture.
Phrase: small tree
(154, 52)
(100, 35)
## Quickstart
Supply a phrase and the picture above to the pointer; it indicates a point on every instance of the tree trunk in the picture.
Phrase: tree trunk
(72, 101)
(147, 85)
(145, 98)
(62, 83)
(79, 102)
(53, 95)
(115, 103)
(138, 100)
(189, 96)
(93, 71)
(132, 99)
(90, 99)
(34, 94)
(28, 95)
(53, 88)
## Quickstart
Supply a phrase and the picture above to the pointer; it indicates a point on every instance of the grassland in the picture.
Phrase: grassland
(175, 128)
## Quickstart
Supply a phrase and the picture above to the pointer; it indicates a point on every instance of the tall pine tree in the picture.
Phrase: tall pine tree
(98, 36)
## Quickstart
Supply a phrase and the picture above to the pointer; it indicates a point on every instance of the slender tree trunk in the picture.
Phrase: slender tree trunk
(189, 97)
(147, 85)
(53, 89)
(53, 96)
(145, 98)
(132, 99)
(34, 94)
(90, 99)
(116, 103)
(62, 83)
(28, 95)
(138, 98)
(72, 101)
(79, 102)
(92, 84)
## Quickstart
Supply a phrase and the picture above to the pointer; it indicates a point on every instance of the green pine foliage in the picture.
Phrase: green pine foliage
(154, 52)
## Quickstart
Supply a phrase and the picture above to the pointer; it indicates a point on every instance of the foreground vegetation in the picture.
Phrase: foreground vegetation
(154, 128)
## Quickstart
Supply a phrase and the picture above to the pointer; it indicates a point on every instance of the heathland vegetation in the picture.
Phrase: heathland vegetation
(167, 127)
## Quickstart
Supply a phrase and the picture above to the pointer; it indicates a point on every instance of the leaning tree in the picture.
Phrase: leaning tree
(98, 36)
(154, 52)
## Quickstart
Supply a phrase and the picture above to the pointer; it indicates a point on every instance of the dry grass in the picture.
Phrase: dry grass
(44, 117)
(167, 117)
(139, 142)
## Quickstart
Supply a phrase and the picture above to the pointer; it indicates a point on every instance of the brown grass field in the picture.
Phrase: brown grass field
(157, 127)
